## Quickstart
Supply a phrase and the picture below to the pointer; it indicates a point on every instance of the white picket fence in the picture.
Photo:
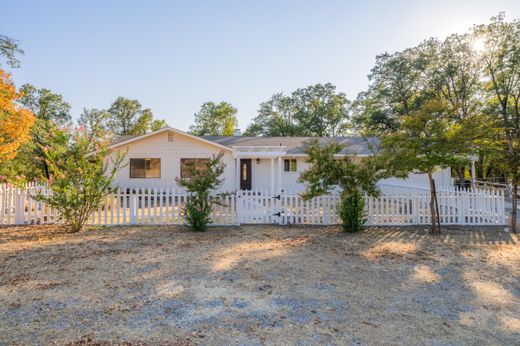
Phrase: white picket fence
(127, 206)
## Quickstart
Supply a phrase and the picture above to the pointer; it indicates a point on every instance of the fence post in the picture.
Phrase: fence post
(462, 208)
(19, 207)
(133, 207)
(415, 209)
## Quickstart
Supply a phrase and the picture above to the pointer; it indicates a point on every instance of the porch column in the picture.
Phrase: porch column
(272, 174)
(279, 173)
(237, 173)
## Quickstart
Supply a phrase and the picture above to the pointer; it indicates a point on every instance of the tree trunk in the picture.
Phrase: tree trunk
(432, 203)
(514, 204)
(462, 171)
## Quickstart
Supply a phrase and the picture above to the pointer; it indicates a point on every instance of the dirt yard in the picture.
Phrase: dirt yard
(259, 285)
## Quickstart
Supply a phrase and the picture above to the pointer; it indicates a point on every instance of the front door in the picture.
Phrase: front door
(245, 174)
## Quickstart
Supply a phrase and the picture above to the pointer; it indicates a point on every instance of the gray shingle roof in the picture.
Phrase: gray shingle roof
(296, 145)
(121, 139)
(293, 145)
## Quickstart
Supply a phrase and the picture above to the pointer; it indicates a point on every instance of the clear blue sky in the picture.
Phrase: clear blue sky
(173, 56)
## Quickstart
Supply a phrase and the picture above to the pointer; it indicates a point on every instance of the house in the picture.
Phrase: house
(155, 159)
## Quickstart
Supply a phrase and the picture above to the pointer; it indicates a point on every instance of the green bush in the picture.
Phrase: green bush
(351, 211)
(197, 211)
(200, 183)
(82, 169)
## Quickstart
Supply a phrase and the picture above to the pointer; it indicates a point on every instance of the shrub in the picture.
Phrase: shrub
(327, 171)
(351, 211)
(201, 182)
(82, 170)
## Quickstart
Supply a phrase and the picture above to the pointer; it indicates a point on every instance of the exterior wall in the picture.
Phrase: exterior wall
(170, 153)
(442, 178)
(261, 173)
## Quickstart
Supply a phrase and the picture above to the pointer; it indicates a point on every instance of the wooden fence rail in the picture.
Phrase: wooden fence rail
(127, 206)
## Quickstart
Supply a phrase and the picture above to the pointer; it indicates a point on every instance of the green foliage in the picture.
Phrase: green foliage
(320, 110)
(128, 118)
(351, 210)
(275, 118)
(124, 118)
(315, 111)
(52, 113)
(158, 124)
(215, 120)
(426, 139)
(328, 170)
(9, 48)
(82, 172)
(501, 60)
(95, 122)
(201, 183)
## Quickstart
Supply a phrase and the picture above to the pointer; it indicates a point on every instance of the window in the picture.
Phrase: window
(145, 168)
(188, 164)
(289, 165)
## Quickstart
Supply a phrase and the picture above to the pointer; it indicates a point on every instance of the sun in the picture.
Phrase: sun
(478, 45)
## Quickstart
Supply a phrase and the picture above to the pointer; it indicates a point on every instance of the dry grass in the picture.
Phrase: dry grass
(258, 285)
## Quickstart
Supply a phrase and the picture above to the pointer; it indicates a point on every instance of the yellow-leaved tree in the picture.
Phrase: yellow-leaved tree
(15, 121)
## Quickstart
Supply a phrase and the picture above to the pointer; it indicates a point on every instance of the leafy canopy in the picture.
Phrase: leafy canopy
(9, 48)
(426, 139)
(82, 170)
(329, 169)
(317, 110)
(15, 121)
(215, 120)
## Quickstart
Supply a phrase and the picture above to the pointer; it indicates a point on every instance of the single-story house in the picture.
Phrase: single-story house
(155, 159)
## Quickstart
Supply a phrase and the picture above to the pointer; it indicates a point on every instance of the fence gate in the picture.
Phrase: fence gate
(258, 207)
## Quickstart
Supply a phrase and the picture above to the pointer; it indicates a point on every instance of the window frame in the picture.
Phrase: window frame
(295, 165)
(144, 159)
(205, 159)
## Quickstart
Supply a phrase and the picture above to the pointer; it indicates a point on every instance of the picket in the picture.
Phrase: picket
(164, 206)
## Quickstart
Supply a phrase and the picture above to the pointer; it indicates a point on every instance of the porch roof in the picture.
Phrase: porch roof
(259, 150)
(295, 146)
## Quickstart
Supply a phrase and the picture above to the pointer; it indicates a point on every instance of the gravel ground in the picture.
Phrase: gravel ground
(256, 285)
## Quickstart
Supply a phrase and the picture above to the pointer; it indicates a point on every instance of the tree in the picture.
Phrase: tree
(15, 121)
(95, 122)
(396, 87)
(52, 113)
(501, 59)
(124, 118)
(275, 118)
(316, 111)
(327, 171)
(158, 124)
(82, 172)
(9, 48)
(320, 110)
(426, 139)
(215, 120)
(455, 76)
(202, 181)
(128, 118)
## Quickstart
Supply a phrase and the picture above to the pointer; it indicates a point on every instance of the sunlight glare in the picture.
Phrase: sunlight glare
(479, 45)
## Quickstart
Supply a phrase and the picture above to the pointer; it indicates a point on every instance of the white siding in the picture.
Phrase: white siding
(170, 153)
(442, 178)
